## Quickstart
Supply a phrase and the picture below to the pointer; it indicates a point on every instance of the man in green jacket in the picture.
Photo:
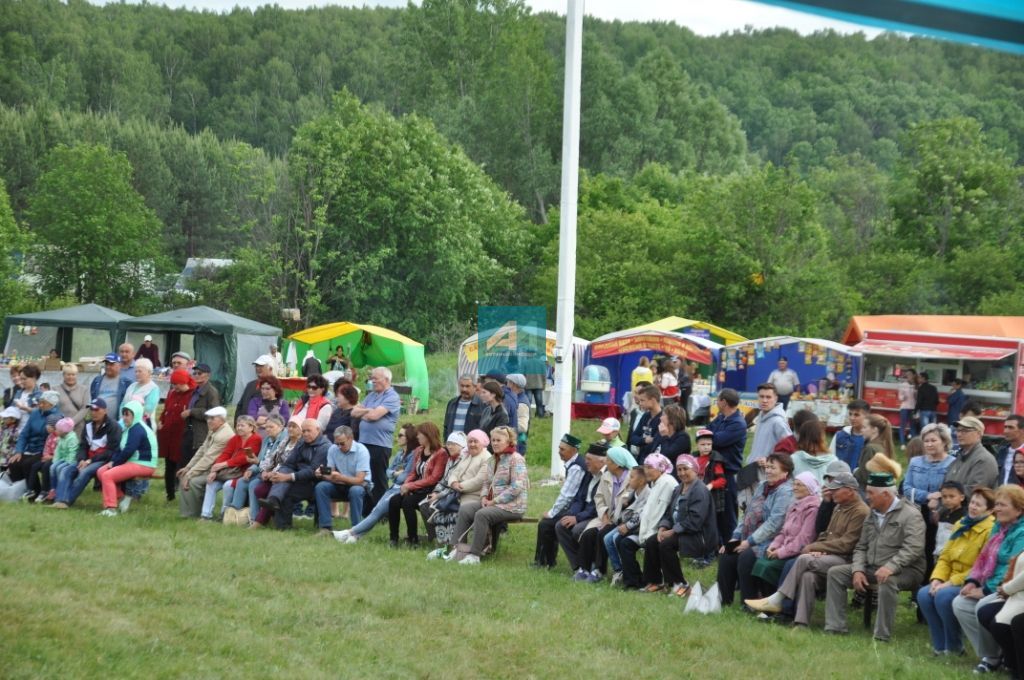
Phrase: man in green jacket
(889, 556)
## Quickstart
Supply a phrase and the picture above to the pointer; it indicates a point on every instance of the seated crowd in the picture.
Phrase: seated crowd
(792, 520)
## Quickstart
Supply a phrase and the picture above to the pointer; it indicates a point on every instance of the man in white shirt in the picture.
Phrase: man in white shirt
(786, 382)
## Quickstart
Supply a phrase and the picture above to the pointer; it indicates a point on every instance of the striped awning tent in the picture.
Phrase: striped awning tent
(998, 24)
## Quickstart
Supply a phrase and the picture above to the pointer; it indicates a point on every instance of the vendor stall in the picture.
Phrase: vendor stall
(368, 345)
(620, 353)
(990, 367)
(828, 371)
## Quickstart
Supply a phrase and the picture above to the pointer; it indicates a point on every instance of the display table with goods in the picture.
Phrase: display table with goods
(990, 369)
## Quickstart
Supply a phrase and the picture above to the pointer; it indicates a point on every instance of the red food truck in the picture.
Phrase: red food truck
(992, 369)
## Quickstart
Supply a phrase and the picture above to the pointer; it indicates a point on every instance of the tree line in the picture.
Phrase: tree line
(402, 166)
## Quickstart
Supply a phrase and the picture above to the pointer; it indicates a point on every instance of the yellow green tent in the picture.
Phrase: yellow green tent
(367, 345)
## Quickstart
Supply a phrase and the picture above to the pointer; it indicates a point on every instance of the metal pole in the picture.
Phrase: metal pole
(565, 383)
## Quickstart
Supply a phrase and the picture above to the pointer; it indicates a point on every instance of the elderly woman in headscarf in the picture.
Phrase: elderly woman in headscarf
(798, 530)
(171, 426)
(687, 529)
(464, 483)
(143, 390)
(592, 554)
(658, 470)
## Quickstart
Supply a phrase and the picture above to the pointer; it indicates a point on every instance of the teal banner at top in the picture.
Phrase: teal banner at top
(998, 24)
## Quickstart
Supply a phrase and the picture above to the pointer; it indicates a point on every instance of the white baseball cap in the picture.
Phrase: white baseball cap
(609, 425)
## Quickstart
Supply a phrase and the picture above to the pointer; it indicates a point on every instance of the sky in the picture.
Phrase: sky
(704, 17)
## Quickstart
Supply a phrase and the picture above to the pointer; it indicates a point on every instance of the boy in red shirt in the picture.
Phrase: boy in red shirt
(711, 469)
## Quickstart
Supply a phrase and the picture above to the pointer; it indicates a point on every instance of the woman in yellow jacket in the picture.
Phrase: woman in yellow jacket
(951, 569)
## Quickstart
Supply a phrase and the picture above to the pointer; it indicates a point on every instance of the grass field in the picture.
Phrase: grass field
(149, 595)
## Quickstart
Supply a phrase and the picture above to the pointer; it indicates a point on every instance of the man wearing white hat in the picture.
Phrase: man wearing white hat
(609, 431)
(193, 475)
(264, 367)
(149, 350)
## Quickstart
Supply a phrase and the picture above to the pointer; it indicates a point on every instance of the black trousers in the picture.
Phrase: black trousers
(727, 519)
(409, 505)
(1011, 639)
(297, 492)
(570, 540)
(23, 468)
(661, 561)
(738, 568)
(379, 474)
(546, 552)
(602, 554)
(632, 577)
(592, 549)
(170, 478)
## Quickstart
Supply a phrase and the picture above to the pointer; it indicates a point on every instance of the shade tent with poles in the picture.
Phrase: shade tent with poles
(226, 342)
(367, 345)
(36, 333)
(620, 353)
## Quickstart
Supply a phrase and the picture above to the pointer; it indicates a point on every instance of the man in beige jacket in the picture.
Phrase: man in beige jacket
(889, 555)
(193, 475)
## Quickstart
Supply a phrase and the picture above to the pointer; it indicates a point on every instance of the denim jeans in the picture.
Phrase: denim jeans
(906, 425)
(927, 418)
(325, 492)
(239, 496)
(56, 469)
(379, 512)
(612, 550)
(210, 499)
(937, 610)
(72, 482)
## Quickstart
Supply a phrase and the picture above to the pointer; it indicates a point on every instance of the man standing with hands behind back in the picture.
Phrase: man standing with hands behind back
(786, 382)
(378, 415)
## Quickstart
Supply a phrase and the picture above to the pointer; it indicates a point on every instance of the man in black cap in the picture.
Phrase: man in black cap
(889, 555)
(571, 526)
(204, 398)
(101, 439)
(576, 479)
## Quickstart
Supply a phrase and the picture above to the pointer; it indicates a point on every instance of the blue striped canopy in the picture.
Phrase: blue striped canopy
(998, 24)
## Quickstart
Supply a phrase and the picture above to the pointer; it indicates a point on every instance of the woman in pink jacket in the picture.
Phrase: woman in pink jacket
(797, 531)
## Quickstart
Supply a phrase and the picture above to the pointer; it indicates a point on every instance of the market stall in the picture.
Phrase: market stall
(990, 367)
(75, 332)
(828, 373)
(620, 352)
(367, 345)
(227, 343)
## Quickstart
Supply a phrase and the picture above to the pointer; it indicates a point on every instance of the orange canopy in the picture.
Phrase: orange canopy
(983, 326)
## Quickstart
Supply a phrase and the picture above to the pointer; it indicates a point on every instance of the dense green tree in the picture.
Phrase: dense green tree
(92, 235)
(396, 226)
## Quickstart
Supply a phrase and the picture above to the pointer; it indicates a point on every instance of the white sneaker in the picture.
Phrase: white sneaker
(352, 538)
(470, 560)
(342, 536)
(450, 556)
(617, 578)
(40, 498)
(109, 512)
(124, 504)
(437, 554)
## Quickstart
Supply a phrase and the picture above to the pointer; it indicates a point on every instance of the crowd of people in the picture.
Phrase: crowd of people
(789, 519)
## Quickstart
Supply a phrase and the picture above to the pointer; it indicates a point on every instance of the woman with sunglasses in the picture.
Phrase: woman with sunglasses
(315, 404)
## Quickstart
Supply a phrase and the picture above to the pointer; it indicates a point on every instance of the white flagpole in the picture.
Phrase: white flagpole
(565, 383)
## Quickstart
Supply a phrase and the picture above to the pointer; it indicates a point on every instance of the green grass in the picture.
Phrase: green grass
(150, 595)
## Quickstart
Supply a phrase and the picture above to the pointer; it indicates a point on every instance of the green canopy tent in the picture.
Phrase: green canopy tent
(35, 334)
(367, 345)
(228, 343)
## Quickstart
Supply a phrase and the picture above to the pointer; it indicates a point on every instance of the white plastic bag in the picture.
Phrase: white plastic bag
(10, 491)
(701, 602)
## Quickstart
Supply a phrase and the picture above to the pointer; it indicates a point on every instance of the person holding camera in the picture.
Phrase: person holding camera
(344, 477)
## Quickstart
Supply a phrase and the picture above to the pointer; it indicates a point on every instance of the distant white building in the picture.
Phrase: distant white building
(195, 266)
